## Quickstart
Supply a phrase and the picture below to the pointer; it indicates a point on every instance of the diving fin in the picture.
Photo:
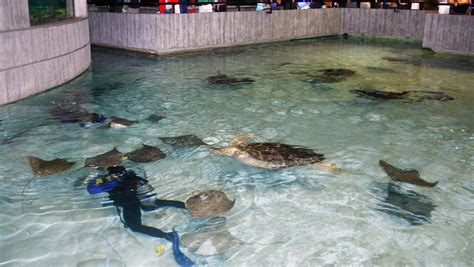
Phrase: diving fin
(179, 256)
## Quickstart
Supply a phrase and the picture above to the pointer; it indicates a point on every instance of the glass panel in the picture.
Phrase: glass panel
(43, 11)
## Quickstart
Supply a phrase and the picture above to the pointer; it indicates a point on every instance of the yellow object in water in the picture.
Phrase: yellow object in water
(160, 249)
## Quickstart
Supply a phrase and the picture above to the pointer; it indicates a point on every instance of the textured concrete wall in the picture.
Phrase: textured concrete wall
(35, 59)
(383, 22)
(132, 31)
(446, 33)
(14, 14)
(169, 33)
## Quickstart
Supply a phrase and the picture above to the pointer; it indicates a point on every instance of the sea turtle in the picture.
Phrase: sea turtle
(208, 203)
(272, 155)
(227, 80)
(108, 159)
(183, 141)
(145, 154)
(47, 167)
(406, 176)
(408, 205)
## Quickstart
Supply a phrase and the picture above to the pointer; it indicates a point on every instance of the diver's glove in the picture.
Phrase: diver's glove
(179, 256)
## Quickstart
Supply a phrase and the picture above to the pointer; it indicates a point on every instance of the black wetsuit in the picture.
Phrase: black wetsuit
(124, 195)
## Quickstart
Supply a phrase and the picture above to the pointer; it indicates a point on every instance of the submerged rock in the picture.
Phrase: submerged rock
(48, 167)
(408, 205)
(182, 141)
(108, 159)
(146, 154)
(208, 203)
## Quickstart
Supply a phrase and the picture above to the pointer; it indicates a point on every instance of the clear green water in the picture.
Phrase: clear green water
(300, 216)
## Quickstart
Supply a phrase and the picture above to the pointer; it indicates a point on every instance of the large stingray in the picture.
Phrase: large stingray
(145, 154)
(406, 176)
(108, 159)
(183, 141)
(407, 204)
(208, 203)
(407, 96)
(224, 79)
(47, 167)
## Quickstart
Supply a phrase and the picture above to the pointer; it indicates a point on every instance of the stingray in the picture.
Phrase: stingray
(408, 205)
(108, 159)
(155, 118)
(145, 154)
(331, 75)
(208, 203)
(73, 114)
(394, 59)
(224, 79)
(406, 176)
(117, 122)
(183, 141)
(407, 96)
(380, 70)
(48, 167)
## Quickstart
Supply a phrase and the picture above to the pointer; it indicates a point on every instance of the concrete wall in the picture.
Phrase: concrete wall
(184, 32)
(449, 33)
(383, 22)
(35, 59)
(14, 14)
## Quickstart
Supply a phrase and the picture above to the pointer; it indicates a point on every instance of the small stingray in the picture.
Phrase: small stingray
(406, 176)
(48, 167)
(73, 113)
(331, 75)
(380, 70)
(223, 79)
(377, 94)
(146, 154)
(208, 203)
(108, 159)
(395, 59)
(409, 96)
(183, 141)
(155, 118)
(407, 204)
(117, 122)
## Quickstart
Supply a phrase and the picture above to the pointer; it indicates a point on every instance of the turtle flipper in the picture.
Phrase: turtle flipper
(328, 166)
(239, 140)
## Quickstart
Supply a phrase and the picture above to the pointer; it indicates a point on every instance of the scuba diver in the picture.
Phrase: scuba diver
(133, 193)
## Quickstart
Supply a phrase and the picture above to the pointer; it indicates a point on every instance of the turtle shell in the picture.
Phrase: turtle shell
(282, 154)
(208, 203)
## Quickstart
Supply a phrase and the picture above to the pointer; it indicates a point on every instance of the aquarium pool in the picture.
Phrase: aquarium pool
(299, 216)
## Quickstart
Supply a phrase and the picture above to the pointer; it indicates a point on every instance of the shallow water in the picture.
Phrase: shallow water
(301, 216)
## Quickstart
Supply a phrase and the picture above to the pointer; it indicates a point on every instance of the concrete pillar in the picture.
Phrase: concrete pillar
(80, 8)
(14, 14)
